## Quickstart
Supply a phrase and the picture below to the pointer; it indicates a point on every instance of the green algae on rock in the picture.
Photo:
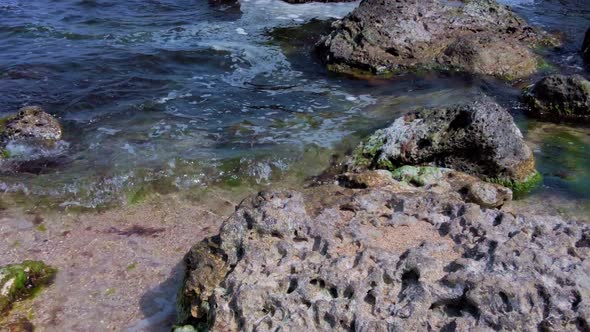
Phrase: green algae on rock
(560, 97)
(479, 139)
(19, 281)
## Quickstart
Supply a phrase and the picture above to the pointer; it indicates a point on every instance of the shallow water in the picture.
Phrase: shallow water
(172, 95)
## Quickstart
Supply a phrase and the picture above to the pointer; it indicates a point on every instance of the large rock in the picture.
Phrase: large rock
(389, 36)
(479, 138)
(586, 47)
(560, 97)
(388, 258)
(18, 281)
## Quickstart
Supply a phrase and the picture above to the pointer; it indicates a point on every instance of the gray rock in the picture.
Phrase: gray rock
(31, 142)
(31, 122)
(479, 138)
(560, 97)
(388, 36)
(318, 261)
(488, 195)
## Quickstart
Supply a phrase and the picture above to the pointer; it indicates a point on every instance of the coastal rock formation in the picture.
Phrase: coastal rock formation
(388, 36)
(479, 138)
(393, 257)
(586, 46)
(560, 97)
(18, 281)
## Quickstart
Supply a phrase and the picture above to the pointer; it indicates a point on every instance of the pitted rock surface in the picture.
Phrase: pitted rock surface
(388, 258)
(479, 138)
(477, 36)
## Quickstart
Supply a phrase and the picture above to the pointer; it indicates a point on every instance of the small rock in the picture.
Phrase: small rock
(18, 281)
(488, 195)
(31, 122)
(560, 97)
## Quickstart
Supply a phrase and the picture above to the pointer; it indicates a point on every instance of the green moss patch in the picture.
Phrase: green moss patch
(20, 281)
(519, 188)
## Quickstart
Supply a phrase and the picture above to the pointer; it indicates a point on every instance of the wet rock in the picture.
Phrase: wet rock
(31, 122)
(586, 47)
(479, 138)
(31, 142)
(386, 259)
(390, 36)
(19, 281)
(560, 97)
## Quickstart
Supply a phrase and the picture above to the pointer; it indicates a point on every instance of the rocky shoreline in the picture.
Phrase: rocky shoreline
(401, 248)
(416, 231)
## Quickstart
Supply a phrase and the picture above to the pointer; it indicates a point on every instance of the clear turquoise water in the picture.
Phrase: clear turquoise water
(176, 94)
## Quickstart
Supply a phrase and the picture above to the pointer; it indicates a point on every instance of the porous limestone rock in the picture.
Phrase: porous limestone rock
(394, 257)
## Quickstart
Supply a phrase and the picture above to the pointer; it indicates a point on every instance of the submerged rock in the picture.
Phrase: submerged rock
(479, 138)
(389, 36)
(560, 97)
(19, 281)
(586, 47)
(388, 258)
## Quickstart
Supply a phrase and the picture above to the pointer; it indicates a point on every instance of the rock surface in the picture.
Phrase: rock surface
(387, 258)
(18, 281)
(479, 138)
(560, 97)
(389, 36)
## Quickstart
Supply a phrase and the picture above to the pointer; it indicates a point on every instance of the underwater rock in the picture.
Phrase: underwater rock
(586, 47)
(388, 258)
(478, 138)
(384, 37)
(19, 281)
(560, 97)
